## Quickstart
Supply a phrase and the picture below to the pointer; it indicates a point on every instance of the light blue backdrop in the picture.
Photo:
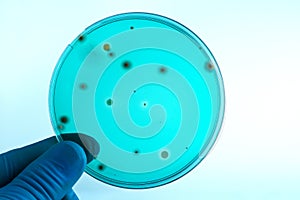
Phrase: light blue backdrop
(256, 44)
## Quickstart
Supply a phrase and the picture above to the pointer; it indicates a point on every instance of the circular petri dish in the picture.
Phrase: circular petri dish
(147, 89)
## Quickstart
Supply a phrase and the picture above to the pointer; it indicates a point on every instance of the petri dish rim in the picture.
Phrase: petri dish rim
(193, 37)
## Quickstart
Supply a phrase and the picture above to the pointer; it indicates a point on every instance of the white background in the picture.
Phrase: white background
(256, 44)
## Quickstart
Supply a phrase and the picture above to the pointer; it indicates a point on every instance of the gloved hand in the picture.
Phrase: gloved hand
(44, 170)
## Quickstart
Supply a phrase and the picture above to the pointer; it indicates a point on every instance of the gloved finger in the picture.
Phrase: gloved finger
(89, 144)
(71, 195)
(50, 176)
(14, 161)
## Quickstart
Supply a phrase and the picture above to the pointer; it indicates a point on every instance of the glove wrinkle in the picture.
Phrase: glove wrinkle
(15, 161)
(50, 176)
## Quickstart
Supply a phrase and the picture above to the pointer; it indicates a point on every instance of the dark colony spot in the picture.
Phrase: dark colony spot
(210, 66)
(83, 86)
(126, 64)
(109, 102)
(101, 167)
(81, 38)
(64, 119)
(131, 27)
(136, 152)
(162, 70)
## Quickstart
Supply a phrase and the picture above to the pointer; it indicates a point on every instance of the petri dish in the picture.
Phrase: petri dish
(147, 89)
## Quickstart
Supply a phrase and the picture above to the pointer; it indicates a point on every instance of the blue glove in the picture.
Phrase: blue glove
(44, 170)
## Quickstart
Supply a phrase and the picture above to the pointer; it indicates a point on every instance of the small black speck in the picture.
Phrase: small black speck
(136, 152)
(111, 54)
(131, 27)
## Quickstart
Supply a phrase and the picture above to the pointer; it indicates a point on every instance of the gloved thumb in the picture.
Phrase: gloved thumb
(50, 176)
